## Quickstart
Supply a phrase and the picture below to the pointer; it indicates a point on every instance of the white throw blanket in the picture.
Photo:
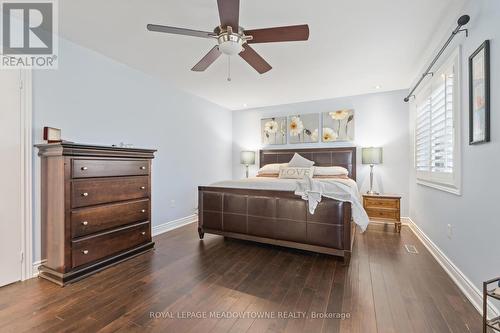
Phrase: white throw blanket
(312, 190)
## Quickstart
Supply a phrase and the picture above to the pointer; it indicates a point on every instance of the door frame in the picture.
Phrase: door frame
(26, 87)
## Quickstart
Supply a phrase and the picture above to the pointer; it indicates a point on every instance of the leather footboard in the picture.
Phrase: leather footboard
(276, 217)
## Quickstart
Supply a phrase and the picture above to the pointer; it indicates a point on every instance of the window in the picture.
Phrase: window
(437, 127)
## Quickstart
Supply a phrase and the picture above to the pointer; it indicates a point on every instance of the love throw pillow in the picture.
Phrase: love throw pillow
(295, 173)
(271, 169)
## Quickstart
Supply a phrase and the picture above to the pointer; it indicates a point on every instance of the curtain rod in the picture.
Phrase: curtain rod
(463, 20)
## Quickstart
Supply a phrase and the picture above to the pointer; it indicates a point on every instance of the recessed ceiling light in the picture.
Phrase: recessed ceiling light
(377, 87)
(245, 105)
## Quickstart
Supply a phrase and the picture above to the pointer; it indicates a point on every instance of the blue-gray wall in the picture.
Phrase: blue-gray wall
(473, 215)
(94, 99)
(381, 119)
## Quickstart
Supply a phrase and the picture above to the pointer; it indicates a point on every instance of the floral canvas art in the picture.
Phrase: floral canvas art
(273, 131)
(303, 128)
(338, 126)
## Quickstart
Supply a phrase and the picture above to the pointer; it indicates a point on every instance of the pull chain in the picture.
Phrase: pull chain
(229, 68)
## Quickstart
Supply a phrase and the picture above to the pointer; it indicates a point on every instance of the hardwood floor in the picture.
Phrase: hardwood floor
(384, 289)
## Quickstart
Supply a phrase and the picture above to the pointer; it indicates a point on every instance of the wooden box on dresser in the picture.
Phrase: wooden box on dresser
(95, 208)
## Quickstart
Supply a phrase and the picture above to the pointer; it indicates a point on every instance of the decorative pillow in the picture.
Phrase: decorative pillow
(330, 171)
(271, 169)
(300, 162)
(295, 173)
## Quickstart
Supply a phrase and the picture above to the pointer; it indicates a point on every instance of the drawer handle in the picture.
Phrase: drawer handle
(85, 194)
(85, 251)
(143, 187)
(143, 168)
(143, 210)
(84, 168)
(143, 233)
(85, 222)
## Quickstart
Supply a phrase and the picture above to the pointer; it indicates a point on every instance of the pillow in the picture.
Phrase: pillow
(287, 172)
(271, 169)
(268, 175)
(300, 162)
(331, 177)
(330, 171)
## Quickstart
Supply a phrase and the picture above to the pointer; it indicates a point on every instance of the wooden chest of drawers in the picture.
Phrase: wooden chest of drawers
(96, 208)
(384, 207)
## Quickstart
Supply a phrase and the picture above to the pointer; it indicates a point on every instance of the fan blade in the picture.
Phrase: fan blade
(207, 60)
(255, 60)
(180, 31)
(279, 34)
(229, 13)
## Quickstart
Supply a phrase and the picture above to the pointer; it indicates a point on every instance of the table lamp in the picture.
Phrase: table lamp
(371, 156)
(247, 158)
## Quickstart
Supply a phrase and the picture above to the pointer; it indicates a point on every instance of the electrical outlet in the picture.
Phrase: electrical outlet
(450, 231)
(172, 203)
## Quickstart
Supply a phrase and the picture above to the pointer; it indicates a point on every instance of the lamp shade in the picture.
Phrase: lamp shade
(371, 155)
(247, 157)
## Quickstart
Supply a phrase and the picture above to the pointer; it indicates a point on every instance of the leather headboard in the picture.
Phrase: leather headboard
(344, 157)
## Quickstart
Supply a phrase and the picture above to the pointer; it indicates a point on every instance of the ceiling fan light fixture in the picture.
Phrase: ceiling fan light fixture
(230, 44)
(230, 48)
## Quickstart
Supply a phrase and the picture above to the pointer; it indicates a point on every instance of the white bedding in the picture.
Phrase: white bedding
(310, 189)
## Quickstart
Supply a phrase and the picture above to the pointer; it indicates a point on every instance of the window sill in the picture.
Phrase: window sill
(443, 187)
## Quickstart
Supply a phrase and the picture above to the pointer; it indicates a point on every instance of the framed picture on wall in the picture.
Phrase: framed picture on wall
(479, 95)
(273, 131)
(303, 128)
(338, 125)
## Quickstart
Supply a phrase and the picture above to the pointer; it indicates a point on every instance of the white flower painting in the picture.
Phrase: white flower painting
(329, 135)
(338, 125)
(314, 135)
(303, 128)
(273, 131)
(295, 126)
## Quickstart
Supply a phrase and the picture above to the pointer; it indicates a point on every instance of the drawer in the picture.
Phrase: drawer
(99, 191)
(92, 248)
(85, 221)
(383, 213)
(381, 202)
(108, 168)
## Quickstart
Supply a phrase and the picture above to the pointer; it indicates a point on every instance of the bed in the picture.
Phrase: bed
(280, 217)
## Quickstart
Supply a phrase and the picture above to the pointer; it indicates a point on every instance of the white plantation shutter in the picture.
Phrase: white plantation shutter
(437, 113)
(449, 125)
(442, 126)
(423, 137)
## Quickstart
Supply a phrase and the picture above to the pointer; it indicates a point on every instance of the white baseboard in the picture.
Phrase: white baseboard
(404, 221)
(171, 225)
(37, 264)
(470, 291)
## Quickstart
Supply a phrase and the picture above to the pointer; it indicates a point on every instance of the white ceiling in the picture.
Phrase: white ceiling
(354, 45)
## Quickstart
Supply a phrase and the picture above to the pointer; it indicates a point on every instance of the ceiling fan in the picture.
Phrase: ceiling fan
(233, 39)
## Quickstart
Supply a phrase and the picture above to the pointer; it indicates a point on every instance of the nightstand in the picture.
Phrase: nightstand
(384, 207)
